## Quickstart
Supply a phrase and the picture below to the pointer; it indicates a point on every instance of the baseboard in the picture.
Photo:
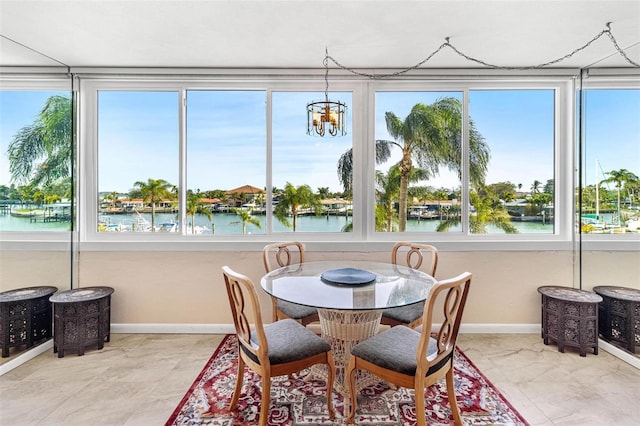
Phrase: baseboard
(26, 356)
(619, 353)
(500, 328)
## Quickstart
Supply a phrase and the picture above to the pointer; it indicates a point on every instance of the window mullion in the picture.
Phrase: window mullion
(269, 157)
(464, 193)
(364, 163)
(182, 168)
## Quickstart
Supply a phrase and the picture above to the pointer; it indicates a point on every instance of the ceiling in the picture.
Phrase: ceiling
(369, 34)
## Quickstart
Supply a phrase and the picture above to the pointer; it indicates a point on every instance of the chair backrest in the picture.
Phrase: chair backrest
(451, 296)
(413, 255)
(277, 255)
(245, 306)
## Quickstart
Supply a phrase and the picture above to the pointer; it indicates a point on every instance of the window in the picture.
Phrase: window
(518, 191)
(36, 160)
(610, 199)
(226, 162)
(511, 146)
(308, 193)
(226, 153)
(419, 175)
(138, 161)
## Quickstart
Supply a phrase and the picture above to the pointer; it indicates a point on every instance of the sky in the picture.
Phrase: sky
(612, 133)
(17, 110)
(517, 125)
(226, 134)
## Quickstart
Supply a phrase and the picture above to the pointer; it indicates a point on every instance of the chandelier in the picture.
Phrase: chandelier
(326, 117)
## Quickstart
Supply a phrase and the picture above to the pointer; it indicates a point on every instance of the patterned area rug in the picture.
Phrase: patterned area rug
(301, 401)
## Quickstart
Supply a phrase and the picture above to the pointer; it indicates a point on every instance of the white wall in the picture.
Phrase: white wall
(162, 287)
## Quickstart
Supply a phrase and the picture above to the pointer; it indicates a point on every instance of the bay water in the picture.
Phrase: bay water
(230, 224)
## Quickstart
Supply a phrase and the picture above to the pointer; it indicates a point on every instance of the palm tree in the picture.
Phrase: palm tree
(112, 197)
(432, 135)
(633, 189)
(324, 192)
(246, 217)
(260, 199)
(538, 202)
(345, 165)
(620, 177)
(194, 206)
(387, 192)
(535, 186)
(153, 191)
(292, 200)
(41, 152)
(440, 194)
(488, 210)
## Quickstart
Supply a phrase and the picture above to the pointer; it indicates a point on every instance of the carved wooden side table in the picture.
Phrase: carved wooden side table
(25, 316)
(81, 317)
(570, 317)
(620, 315)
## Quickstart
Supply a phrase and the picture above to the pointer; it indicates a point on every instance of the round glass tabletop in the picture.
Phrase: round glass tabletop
(350, 285)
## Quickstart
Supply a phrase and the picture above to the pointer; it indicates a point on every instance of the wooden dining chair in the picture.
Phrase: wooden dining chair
(423, 257)
(276, 256)
(413, 359)
(277, 349)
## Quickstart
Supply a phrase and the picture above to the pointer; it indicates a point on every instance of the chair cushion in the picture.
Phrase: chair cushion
(295, 311)
(393, 349)
(405, 314)
(289, 341)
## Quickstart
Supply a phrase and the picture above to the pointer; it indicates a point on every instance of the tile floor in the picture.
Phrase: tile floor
(139, 379)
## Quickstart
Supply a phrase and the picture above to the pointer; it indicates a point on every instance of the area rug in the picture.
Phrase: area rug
(299, 400)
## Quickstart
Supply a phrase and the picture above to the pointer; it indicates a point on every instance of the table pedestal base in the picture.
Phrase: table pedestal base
(344, 329)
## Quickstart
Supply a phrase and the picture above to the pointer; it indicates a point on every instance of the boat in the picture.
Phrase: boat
(633, 225)
(596, 223)
(140, 224)
(168, 227)
(197, 230)
(175, 227)
(422, 212)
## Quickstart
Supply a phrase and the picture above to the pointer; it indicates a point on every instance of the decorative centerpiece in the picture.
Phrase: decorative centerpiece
(348, 276)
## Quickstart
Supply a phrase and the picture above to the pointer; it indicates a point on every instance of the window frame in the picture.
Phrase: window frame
(51, 79)
(605, 80)
(89, 160)
(363, 237)
(563, 152)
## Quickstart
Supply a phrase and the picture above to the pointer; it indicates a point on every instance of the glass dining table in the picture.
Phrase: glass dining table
(350, 296)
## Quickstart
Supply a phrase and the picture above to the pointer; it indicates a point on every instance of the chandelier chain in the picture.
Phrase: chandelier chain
(624, 55)
(326, 74)
(394, 74)
(606, 31)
